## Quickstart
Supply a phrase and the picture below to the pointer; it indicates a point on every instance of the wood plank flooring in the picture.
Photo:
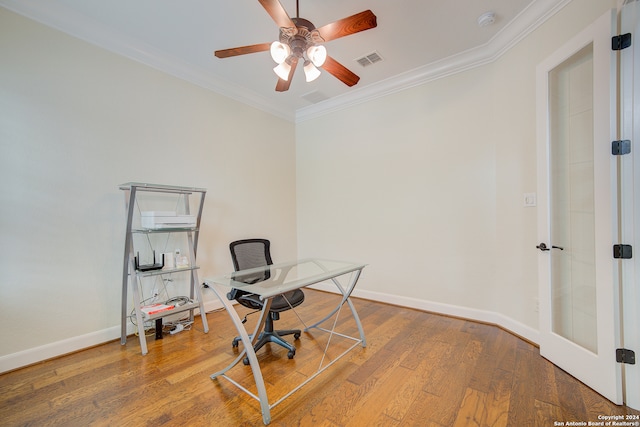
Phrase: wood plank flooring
(418, 369)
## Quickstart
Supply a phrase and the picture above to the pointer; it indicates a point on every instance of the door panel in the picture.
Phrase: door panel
(576, 194)
(571, 196)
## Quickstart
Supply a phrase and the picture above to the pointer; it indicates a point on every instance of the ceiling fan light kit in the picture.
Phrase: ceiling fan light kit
(282, 70)
(300, 40)
(310, 71)
(301, 43)
(279, 52)
(317, 55)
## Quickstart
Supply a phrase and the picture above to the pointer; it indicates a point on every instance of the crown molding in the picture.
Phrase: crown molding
(91, 31)
(70, 22)
(526, 22)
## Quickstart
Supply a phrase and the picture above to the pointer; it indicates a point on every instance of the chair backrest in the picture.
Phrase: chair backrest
(250, 253)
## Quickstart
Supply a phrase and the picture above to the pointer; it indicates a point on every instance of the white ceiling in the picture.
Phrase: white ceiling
(417, 39)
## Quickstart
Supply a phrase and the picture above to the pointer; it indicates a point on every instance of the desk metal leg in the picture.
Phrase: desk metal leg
(250, 353)
(345, 298)
(248, 341)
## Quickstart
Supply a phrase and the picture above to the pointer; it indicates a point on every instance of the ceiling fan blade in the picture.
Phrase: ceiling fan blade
(353, 24)
(340, 72)
(242, 50)
(283, 85)
(277, 12)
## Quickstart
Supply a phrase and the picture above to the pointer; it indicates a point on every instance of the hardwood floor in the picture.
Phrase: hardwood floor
(418, 369)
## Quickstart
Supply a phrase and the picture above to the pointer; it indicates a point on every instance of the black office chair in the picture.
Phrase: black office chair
(251, 253)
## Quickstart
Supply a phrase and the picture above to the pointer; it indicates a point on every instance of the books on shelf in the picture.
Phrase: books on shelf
(156, 308)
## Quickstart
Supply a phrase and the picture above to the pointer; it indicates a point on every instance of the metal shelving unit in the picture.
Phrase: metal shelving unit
(133, 278)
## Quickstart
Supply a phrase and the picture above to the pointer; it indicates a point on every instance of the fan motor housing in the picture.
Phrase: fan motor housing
(298, 45)
(301, 39)
(301, 22)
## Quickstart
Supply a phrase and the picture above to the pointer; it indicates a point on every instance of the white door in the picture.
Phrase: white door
(577, 224)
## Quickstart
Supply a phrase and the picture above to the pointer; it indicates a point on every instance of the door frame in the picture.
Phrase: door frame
(629, 129)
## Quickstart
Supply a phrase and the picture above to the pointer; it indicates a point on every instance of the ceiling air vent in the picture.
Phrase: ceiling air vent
(315, 97)
(369, 59)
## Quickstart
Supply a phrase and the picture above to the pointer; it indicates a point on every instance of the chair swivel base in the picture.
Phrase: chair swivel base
(274, 337)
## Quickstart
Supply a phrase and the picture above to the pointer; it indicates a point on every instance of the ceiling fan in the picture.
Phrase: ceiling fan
(300, 40)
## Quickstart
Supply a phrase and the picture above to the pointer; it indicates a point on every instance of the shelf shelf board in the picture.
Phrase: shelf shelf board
(168, 271)
(163, 230)
(141, 186)
(175, 310)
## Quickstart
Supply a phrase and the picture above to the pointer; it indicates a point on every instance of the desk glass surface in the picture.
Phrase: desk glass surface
(279, 278)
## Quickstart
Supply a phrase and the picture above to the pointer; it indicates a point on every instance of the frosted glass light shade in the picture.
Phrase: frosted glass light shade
(279, 52)
(282, 70)
(310, 71)
(317, 55)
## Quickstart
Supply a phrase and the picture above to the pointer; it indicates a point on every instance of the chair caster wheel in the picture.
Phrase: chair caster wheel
(296, 336)
(291, 354)
(234, 344)
(245, 361)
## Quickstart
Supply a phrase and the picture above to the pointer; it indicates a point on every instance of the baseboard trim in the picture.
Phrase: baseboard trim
(21, 359)
(490, 317)
(31, 356)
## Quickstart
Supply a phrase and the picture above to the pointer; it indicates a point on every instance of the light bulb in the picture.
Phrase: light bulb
(282, 70)
(317, 55)
(310, 71)
(279, 52)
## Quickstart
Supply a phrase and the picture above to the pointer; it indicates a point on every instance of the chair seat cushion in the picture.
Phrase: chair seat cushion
(295, 298)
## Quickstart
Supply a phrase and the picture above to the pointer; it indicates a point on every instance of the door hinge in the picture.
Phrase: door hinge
(622, 251)
(620, 148)
(624, 355)
(620, 42)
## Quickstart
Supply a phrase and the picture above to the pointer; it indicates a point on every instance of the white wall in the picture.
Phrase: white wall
(75, 122)
(393, 183)
(427, 186)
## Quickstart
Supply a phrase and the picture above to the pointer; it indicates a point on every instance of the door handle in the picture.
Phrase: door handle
(543, 247)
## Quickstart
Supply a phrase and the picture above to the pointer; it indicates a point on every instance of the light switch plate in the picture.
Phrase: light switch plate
(530, 200)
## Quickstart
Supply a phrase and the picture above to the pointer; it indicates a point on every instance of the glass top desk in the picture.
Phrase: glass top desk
(277, 279)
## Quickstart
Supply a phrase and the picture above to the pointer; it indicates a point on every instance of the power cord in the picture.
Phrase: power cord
(244, 319)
